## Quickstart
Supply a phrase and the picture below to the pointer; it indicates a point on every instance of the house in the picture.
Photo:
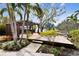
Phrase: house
(19, 27)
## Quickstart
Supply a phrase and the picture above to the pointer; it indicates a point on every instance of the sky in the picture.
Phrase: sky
(69, 8)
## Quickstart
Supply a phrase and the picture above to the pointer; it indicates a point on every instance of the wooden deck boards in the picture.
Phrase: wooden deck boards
(59, 39)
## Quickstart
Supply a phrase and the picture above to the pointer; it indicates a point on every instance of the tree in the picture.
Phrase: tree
(76, 14)
(11, 8)
(72, 19)
(49, 17)
(27, 9)
(40, 15)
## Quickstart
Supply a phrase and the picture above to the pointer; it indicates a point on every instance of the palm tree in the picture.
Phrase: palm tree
(11, 8)
(39, 14)
(28, 7)
(75, 15)
(73, 19)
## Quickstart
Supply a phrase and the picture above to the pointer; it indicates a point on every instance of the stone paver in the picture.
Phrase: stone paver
(38, 54)
(7, 53)
(42, 54)
(33, 47)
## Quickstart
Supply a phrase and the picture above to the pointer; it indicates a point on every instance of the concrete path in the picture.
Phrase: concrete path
(38, 54)
(32, 47)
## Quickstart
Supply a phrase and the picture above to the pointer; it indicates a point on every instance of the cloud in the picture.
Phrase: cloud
(53, 4)
(62, 4)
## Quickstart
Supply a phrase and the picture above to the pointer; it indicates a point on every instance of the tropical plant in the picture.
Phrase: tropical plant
(14, 46)
(11, 8)
(72, 19)
(39, 14)
(76, 14)
(28, 8)
(55, 51)
(74, 35)
(49, 16)
(49, 33)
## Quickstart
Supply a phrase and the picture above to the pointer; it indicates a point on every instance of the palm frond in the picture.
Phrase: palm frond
(3, 10)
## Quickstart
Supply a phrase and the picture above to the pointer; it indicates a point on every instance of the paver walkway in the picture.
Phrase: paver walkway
(32, 47)
(29, 50)
(38, 54)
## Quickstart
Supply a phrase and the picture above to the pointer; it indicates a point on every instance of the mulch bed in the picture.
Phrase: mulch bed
(64, 51)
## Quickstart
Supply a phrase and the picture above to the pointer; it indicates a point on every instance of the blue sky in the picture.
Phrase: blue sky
(69, 7)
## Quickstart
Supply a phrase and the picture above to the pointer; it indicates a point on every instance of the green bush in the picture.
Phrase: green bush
(23, 43)
(49, 33)
(55, 51)
(74, 35)
(2, 29)
(14, 46)
(10, 46)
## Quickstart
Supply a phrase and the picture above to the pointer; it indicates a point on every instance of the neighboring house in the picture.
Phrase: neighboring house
(19, 27)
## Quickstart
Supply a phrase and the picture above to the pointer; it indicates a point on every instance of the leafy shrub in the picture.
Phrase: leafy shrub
(23, 43)
(14, 46)
(55, 51)
(49, 33)
(74, 35)
(2, 29)
(10, 46)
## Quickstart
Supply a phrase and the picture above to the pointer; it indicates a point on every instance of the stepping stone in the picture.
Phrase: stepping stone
(42, 54)
(38, 54)
(7, 53)
(32, 47)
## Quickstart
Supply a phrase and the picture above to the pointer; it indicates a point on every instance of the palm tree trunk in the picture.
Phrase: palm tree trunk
(15, 29)
(23, 24)
(11, 23)
(27, 24)
(41, 24)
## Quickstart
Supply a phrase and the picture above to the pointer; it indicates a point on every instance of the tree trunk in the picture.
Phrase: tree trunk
(13, 23)
(23, 24)
(27, 23)
(15, 30)
(15, 26)
(41, 24)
